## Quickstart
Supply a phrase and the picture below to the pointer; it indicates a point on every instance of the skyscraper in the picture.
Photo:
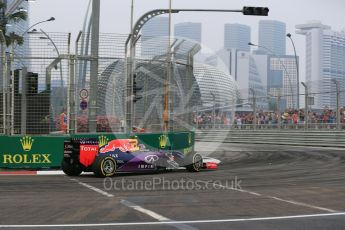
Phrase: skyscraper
(236, 36)
(282, 79)
(244, 67)
(19, 28)
(155, 27)
(325, 52)
(189, 30)
(154, 37)
(272, 35)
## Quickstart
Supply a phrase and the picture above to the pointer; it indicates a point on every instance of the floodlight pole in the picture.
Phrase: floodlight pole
(297, 66)
(254, 107)
(337, 85)
(306, 113)
(258, 11)
(94, 67)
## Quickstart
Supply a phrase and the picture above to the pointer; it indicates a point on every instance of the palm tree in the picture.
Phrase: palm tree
(21, 15)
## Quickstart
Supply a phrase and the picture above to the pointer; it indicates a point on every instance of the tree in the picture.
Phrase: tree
(12, 18)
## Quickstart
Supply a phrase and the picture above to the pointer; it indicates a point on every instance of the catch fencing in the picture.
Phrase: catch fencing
(55, 85)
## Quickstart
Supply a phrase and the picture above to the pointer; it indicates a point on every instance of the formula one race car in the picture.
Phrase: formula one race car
(124, 155)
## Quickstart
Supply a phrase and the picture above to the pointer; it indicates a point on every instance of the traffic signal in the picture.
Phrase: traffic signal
(136, 89)
(257, 11)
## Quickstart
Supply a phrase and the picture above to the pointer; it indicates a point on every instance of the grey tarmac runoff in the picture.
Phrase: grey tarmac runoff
(255, 187)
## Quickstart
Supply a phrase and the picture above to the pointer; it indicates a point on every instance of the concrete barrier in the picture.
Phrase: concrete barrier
(284, 137)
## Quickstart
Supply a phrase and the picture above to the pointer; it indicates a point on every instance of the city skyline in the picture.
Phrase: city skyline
(213, 24)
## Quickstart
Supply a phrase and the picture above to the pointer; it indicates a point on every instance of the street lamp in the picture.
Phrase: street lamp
(306, 113)
(338, 102)
(254, 106)
(57, 51)
(37, 23)
(297, 67)
(285, 69)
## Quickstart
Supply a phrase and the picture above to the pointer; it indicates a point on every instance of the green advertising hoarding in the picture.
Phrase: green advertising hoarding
(32, 152)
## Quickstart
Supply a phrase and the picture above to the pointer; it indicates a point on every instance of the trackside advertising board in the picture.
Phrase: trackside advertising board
(32, 152)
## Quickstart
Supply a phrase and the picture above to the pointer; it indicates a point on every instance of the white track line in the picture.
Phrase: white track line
(145, 211)
(93, 188)
(303, 204)
(277, 198)
(157, 216)
(177, 222)
(138, 208)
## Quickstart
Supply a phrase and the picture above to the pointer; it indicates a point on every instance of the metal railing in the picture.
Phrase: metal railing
(293, 137)
(273, 126)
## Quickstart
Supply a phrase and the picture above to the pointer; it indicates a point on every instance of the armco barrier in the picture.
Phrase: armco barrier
(32, 152)
(290, 137)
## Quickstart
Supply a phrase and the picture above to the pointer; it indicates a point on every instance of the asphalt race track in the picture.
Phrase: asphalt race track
(255, 187)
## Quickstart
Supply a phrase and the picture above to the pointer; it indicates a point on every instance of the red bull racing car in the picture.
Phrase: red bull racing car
(125, 155)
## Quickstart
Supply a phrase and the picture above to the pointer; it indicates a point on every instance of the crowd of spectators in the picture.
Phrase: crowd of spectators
(288, 117)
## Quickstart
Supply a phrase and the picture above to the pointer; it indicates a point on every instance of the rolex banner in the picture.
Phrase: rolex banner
(31, 151)
(47, 151)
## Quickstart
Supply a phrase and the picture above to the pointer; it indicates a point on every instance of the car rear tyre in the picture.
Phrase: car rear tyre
(104, 166)
(71, 168)
(196, 163)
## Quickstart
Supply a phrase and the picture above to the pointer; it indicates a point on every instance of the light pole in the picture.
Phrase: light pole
(306, 113)
(213, 110)
(297, 67)
(254, 107)
(285, 69)
(48, 74)
(338, 102)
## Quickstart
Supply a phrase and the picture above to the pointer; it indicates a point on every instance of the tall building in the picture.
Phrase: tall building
(282, 79)
(325, 52)
(266, 74)
(156, 27)
(154, 37)
(243, 66)
(189, 30)
(272, 35)
(236, 36)
(19, 28)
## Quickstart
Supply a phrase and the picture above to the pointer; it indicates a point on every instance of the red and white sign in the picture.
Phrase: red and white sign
(84, 94)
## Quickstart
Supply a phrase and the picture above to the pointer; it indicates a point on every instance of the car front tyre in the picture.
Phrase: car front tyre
(196, 163)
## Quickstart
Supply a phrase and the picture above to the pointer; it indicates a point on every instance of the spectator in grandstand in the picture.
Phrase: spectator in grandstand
(63, 121)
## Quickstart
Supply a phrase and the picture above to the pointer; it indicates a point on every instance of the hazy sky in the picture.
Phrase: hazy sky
(115, 16)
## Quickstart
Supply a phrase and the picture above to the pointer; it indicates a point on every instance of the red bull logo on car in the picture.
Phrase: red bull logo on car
(124, 145)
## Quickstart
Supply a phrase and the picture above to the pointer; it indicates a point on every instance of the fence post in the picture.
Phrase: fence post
(24, 110)
(3, 74)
